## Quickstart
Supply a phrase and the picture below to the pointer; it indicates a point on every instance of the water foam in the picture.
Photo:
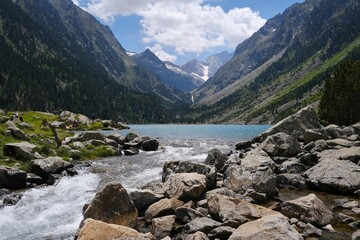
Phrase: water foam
(53, 212)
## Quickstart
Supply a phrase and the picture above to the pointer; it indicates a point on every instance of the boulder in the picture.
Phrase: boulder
(50, 165)
(294, 125)
(91, 229)
(150, 145)
(290, 180)
(340, 142)
(216, 158)
(312, 135)
(190, 167)
(161, 208)
(23, 151)
(90, 135)
(131, 136)
(221, 233)
(112, 204)
(162, 227)
(257, 158)
(223, 208)
(12, 178)
(308, 209)
(261, 180)
(273, 226)
(187, 214)
(356, 235)
(333, 175)
(144, 198)
(19, 134)
(185, 186)
(196, 236)
(203, 224)
(281, 144)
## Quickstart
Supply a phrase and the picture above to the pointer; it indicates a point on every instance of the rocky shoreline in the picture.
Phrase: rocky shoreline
(222, 197)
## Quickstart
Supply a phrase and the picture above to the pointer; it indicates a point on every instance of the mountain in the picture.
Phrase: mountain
(54, 56)
(206, 69)
(167, 73)
(281, 67)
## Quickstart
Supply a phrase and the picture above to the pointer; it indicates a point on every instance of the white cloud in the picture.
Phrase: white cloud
(160, 53)
(186, 26)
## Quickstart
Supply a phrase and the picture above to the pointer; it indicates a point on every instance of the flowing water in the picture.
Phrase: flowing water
(55, 212)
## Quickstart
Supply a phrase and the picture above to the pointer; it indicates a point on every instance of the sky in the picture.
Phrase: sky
(181, 30)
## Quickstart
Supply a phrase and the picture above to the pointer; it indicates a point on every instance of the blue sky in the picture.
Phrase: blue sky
(181, 30)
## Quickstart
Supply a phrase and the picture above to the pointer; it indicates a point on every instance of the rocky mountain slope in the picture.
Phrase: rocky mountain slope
(180, 80)
(282, 66)
(54, 55)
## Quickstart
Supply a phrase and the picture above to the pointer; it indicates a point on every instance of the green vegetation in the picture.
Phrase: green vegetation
(340, 103)
(41, 136)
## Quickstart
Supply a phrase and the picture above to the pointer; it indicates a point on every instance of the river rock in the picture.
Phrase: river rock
(190, 167)
(356, 235)
(91, 229)
(223, 208)
(203, 224)
(187, 214)
(312, 135)
(257, 158)
(185, 186)
(333, 175)
(144, 198)
(196, 236)
(290, 180)
(221, 233)
(90, 135)
(112, 204)
(150, 145)
(294, 125)
(273, 226)
(309, 209)
(162, 207)
(281, 144)
(216, 157)
(131, 136)
(12, 178)
(23, 151)
(50, 165)
(340, 142)
(261, 180)
(162, 227)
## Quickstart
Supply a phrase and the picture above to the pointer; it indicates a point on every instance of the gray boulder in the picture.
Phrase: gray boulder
(308, 209)
(23, 151)
(216, 157)
(294, 125)
(144, 198)
(162, 227)
(273, 226)
(223, 208)
(333, 175)
(12, 178)
(112, 204)
(281, 144)
(257, 158)
(191, 167)
(203, 224)
(162, 207)
(50, 165)
(185, 186)
(262, 180)
(150, 145)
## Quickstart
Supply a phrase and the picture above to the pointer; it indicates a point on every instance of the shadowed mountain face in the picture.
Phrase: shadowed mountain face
(282, 67)
(56, 56)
